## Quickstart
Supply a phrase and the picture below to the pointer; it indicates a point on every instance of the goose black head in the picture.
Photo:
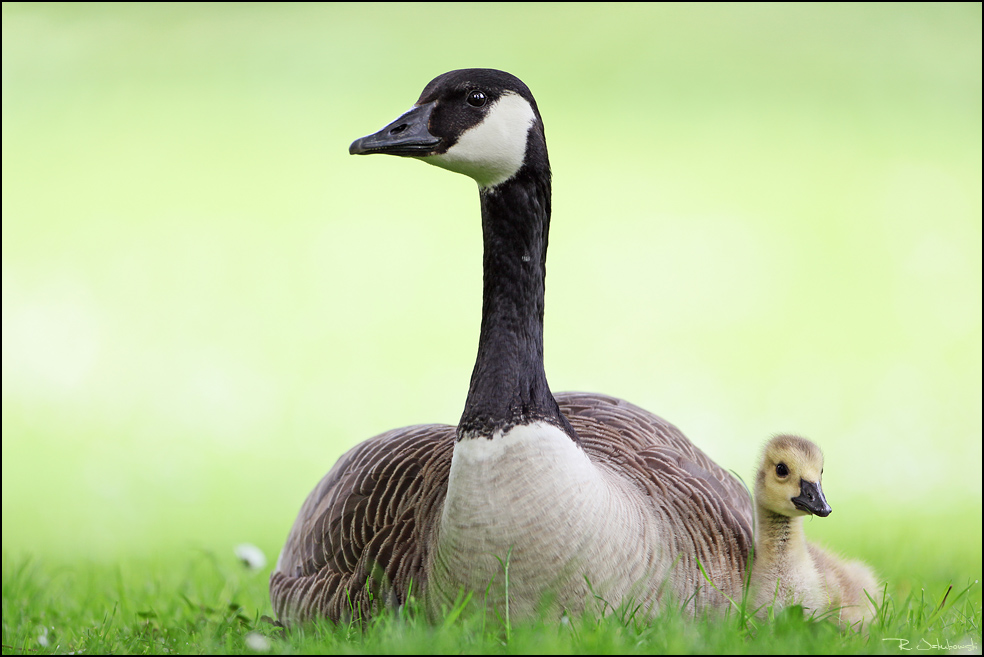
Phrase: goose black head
(788, 480)
(480, 122)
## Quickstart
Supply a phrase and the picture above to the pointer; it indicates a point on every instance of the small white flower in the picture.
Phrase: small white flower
(257, 642)
(251, 556)
(43, 637)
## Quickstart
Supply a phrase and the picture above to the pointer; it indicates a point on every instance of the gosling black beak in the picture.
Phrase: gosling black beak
(811, 499)
(408, 136)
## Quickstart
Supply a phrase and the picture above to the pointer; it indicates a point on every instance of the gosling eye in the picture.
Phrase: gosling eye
(476, 98)
(782, 470)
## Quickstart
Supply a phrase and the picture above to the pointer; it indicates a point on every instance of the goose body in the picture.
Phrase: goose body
(579, 495)
(788, 570)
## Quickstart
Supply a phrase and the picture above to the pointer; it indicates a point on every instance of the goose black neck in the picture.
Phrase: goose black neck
(508, 384)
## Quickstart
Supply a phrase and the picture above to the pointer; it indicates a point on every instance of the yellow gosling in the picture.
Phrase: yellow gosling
(787, 569)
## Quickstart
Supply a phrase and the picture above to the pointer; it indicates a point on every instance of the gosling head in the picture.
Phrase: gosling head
(788, 479)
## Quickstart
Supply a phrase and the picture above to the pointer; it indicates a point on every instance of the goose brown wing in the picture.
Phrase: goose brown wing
(636, 430)
(708, 511)
(360, 538)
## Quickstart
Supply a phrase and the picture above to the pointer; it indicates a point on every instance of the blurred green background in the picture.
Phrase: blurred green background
(766, 218)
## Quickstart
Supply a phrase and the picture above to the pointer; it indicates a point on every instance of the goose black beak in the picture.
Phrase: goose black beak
(811, 499)
(408, 136)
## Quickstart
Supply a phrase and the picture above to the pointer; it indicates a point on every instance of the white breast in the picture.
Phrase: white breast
(534, 495)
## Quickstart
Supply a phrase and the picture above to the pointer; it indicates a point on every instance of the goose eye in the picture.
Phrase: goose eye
(476, 98)
(782, 470)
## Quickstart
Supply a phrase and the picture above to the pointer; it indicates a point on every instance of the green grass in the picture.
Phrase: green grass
(201, 602)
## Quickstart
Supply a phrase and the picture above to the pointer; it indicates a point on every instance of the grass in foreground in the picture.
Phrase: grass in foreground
(208, 604)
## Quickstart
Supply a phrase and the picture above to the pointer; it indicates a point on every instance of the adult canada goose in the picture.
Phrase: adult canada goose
(787, 569)
(574, 491)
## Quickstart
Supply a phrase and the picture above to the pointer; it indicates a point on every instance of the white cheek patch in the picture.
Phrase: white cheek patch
(492, 151)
